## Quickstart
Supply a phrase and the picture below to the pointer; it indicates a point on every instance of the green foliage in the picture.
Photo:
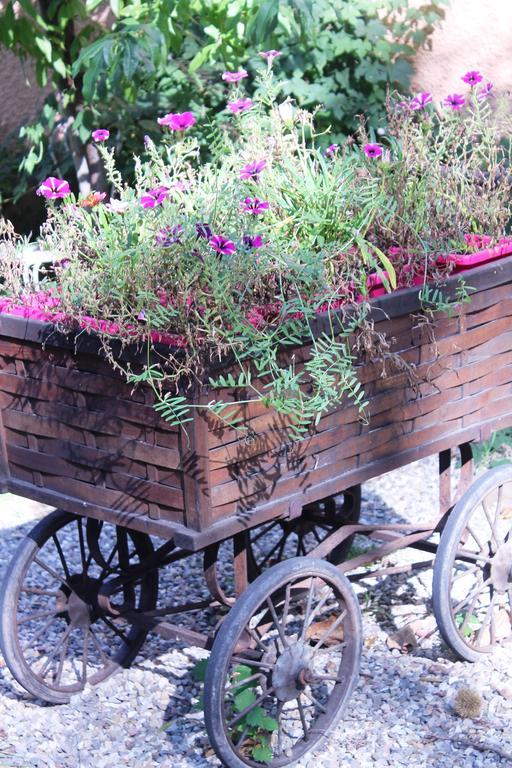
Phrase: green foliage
(495, 451)
(165, 55)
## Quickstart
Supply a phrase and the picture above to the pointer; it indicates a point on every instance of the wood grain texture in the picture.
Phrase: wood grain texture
(72, 429)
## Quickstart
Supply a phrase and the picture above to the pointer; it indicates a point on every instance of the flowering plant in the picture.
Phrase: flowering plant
(222, 265)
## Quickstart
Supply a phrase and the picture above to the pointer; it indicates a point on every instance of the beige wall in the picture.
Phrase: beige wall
(476, 34)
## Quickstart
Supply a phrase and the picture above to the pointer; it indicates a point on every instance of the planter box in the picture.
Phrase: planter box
(75, 435)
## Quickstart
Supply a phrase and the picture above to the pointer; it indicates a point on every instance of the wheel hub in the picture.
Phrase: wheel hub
(501, 567)
(81, 603)
(292, 671)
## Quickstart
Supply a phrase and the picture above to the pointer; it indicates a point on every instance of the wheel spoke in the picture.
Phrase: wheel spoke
(277, 623)
(265, 530)
(244, 681)
(315, 701)
(332, 629)
(42, 672)
(105, 659)
(308, 610)
(251, 662)
(34, 638)
(471, 595)
(61, 556)
(303, 718)
(40, 591)
(115, 629)
(34, 616)
(85, 654)
(492, 525)
(53, 573)
(85, 562)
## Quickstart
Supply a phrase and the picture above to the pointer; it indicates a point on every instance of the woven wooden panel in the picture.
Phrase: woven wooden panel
(73, 426)
(461, 382)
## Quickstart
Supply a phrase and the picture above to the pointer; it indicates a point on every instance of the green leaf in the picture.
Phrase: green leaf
(244, 699)
(258, 718)
(45, 46)
(262, 754)
(199, 670)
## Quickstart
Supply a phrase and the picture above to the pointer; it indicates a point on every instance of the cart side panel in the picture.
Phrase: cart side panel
(72, 426)
(444, 383)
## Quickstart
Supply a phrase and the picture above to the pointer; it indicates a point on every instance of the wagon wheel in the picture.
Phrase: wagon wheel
(55, 637)
(283, 664)
(472, 585)
(275, 541)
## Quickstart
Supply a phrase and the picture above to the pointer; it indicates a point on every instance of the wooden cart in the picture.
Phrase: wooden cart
(81, 593)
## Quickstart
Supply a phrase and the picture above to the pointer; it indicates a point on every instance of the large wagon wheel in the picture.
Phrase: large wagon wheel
(54, 635)
(472, 585)
(283, 664)
(280, 539)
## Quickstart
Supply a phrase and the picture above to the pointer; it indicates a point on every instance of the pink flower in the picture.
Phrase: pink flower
(472, 77)
(477, 241)
(485, 91)
(251, 171)
(234, 77)
(420, 101)
(222, 245)
(169, 235)
(455, 101)
(331, 150)
(154, 197)
(253, 241)
(240, 105)
(53, 188)
(270, 55)
(254, 206)
(372, 150)
(100, 134)
(177, 121)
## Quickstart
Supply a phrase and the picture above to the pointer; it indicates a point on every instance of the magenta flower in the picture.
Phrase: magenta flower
(203, 229)
(472, 78)
(234, 77)
(240, 105)
(372, 150)
(154, 197)
(485, 91)
(251, 171)
(52, 188)
(455, 101)
(222, 245)
(168, 236)
(331, 150)
(269, 56)
(420, 101)
(100, 134)
(253, 241)
(254, 206)
(177, 121)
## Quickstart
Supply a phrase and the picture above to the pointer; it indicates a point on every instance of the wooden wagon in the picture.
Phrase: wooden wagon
(81, 592)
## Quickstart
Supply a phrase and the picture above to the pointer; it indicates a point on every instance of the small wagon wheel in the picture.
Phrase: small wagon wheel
(283, 665)
(472, 584)
(275, 541)
(54, 635)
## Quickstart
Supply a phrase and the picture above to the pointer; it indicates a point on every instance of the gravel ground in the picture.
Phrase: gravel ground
(400, 715)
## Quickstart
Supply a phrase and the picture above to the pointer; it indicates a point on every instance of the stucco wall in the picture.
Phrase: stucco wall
(20, 97)
(476, 34)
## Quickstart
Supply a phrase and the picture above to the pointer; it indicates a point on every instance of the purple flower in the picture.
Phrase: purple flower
(372, 150)
(177, 121)
(154, 197)
(254, 206)
(240, 105)
(251, 171)
(331, 150)
(168, 236)
(203, 229)
(100, 134)
(147, 141)
(455, 101)
(53, 188)
(252, 241)
(141, 315)
(234, 77)
(270, 55)
(472, 77)
(485, 91)
(420, 101)
(222, 245)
